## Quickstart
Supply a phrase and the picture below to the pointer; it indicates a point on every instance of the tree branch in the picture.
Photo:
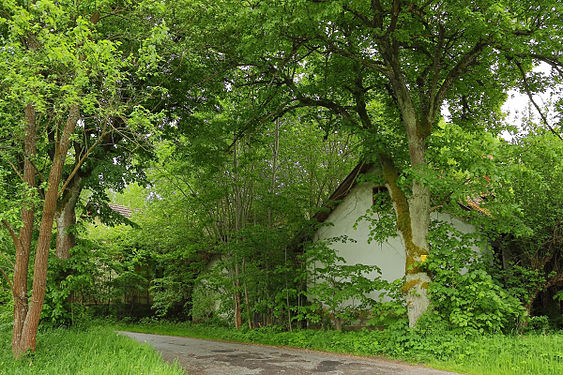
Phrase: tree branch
(7, 279)
(455, 72)
(377, 66)
(16, 170)
(556, 279)
(530, 96)
(80, 162)
(360, 16)
(13, 234)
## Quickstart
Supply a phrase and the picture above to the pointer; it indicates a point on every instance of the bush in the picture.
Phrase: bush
(336, 290)
(462, 292)
(539, 324)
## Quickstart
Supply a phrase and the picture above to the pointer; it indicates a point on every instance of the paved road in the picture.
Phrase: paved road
(206, 357)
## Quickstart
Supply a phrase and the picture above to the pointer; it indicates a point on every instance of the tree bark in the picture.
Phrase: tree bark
(412, 223)
(416, 283)
(413, 215)
(246, 299)
(65, 218)
(237, 298)
(25, 340)
(23, 243)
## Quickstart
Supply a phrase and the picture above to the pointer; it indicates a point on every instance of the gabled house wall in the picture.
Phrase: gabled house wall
(388, 256)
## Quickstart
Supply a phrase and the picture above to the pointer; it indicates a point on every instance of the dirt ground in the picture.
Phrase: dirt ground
(207, 357)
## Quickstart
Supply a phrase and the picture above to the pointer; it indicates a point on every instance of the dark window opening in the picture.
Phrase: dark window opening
(380, 197)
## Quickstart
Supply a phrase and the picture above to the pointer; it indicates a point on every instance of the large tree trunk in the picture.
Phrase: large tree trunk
(24, 340)
(416, 283)
(413, 215)
(65, 218)
(23, 243)
(413, 218)
(415, 233)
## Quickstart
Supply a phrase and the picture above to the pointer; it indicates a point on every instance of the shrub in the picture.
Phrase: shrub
(338, 290)
(462, 292)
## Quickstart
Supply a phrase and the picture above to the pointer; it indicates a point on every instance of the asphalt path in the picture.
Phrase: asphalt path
(208, 357)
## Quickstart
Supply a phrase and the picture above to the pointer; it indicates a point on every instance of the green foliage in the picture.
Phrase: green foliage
(522, 282)
(89, 350)
(391, 310)
(380, 216)
(335, 289)
(6, 314)
(213, 295)
(67, 280)
(462, 292)
(204, 208)
(106, 269)
(537, 324)
(530, 240)
(267, 276)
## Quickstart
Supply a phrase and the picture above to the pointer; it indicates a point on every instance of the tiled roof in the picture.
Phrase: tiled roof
(352, 179)
(342, 191)
(122, 210)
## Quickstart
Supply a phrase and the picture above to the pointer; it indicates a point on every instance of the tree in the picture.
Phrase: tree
(243, 213)
(416, 57)
(64, 84)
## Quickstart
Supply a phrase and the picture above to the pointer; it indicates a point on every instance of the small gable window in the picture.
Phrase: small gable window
(380, 198)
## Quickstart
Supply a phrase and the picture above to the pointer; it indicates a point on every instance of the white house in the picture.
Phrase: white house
(351, 200)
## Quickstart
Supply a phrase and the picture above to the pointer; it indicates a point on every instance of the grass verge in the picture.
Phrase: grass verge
(94, 350)
(476, 355)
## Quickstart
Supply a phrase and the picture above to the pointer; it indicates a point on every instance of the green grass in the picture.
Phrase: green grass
(504, 355)
(478, 354)
(93, 350)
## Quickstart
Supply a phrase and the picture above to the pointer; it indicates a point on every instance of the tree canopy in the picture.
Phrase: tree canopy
(241, 118)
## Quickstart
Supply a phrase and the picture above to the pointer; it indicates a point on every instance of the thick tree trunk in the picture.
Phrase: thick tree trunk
(415, 235)
(26, 339)
(416, 283)
(413, 218)
(23, 243)
(65, 218)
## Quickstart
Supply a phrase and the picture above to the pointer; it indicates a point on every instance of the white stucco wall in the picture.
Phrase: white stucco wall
(388, 256)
